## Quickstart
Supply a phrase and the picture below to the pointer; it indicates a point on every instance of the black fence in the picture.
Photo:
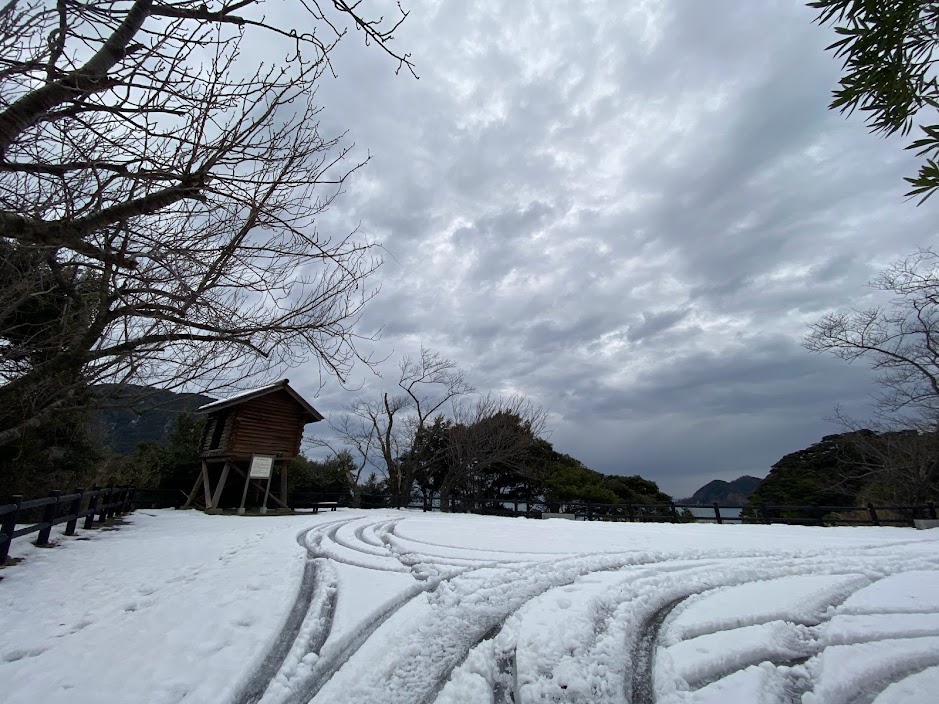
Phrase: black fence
(811, 515)
(40, 515)
(763, 513)
(99, 505)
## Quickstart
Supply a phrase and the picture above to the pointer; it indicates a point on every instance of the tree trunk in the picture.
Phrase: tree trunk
(446, 490)
(356, 497)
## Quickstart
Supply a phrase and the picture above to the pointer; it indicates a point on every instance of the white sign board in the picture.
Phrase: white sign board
(261, 466)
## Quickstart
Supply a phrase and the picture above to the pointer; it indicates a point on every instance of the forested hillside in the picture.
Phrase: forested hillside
(853, 468)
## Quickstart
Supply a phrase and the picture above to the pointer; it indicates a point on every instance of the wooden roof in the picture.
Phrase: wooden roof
(244, 396)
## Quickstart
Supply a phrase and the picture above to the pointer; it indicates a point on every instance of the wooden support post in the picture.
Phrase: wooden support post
(92, 508)
(47, 517)
(765, 511)
(7, 527)
(674, 512)
(248, 480)
(191, 496)
(206, 487)
(873, 513)
(717, 513)
(267, 492)
(931, 506)
(73, 511)
(244, 494)
(283, 484)
(630, 512)
(217, 496)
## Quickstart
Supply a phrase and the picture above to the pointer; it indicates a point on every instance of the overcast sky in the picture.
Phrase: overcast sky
(627, 211)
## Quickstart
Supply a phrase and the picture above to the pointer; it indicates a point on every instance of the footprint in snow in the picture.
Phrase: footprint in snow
(20, 654)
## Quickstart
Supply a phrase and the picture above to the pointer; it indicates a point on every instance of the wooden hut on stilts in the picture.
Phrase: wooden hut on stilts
(253, 436)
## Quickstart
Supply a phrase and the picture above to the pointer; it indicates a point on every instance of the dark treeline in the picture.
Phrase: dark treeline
(70, 455)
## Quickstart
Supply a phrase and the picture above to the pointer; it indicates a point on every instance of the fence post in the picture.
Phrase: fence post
(92, 509)
(931, 505)
(73, 513)
(589, 512)
(674, 512)
(47, 517)
(124, 505)
(7, 527)
(105, 501)
(629, 511)
(717, 513)
(765, 511)
(113, 502)
(873, 512)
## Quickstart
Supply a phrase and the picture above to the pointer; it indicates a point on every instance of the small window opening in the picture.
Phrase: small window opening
(217, 431)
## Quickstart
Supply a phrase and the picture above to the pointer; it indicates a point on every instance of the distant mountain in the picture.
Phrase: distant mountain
(135, 414)
(733, 493)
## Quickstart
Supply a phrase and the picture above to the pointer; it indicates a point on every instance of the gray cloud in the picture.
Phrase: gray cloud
(628, 213)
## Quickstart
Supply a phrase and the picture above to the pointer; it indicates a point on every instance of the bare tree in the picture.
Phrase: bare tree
(383, 430)
(900, 447)
(355, 437)
(158, 199)
(900, 340)
(430, 382)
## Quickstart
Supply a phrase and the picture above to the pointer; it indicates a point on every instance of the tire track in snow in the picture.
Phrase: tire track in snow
(330, 662)
(875, 688)
(253, 689)
(641, 684)
(729, 573)
(339, 653)
(506, 687)
(421, 684)
(454, 644)
(795, 681)
(257, 685)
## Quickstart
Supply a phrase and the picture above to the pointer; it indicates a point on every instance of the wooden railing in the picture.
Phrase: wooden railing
(89, 506)
(99, 505)
(760, 513)
(692, 513)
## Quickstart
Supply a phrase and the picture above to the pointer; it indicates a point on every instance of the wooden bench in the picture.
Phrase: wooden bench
(331, 505)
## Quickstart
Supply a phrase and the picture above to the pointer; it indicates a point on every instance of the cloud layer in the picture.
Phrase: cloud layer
(628, 214)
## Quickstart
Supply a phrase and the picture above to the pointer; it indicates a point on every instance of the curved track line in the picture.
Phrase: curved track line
(253, 689)
(641, 685)
(378, 542)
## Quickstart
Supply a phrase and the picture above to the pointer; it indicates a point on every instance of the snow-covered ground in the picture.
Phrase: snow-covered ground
(388, 607)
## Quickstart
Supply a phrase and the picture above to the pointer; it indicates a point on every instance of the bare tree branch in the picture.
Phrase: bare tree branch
(159, 197)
